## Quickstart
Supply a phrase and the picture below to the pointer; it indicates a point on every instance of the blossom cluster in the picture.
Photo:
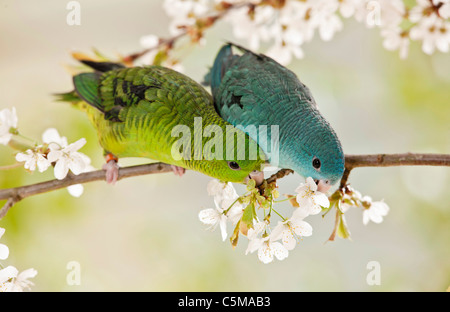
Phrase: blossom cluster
(276, 242)
(373, 210)
(54, 151)
(10, 278)
(286, 25)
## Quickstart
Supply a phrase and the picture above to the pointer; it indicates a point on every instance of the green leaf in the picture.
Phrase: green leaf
(160, 57)
(343, 230)
(251, 185)
(248, 215)
(234, 238)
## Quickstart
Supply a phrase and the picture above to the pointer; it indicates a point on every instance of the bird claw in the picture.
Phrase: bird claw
(112, 171)
(179, 171)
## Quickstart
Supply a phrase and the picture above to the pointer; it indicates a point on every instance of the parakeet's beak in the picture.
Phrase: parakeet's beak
(323, 185)
(256, 175)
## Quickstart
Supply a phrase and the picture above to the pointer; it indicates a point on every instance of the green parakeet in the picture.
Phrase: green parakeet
(163, 115)
(253, 89)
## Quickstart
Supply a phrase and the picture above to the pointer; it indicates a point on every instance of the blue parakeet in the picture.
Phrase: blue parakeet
(253, 89)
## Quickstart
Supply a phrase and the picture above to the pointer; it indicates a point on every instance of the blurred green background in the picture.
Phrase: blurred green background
(144, 234)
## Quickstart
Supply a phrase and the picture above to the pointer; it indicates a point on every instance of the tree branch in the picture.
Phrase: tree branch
(16, 194)
(391, 160)
(13, 195)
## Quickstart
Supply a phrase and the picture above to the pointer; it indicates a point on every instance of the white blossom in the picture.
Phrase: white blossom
(8, 121)
(227, 208)
(444, 10)
(253, 232)
(10, 278)
(324, 16)
(4, 250)
(13, 281)
(289, 229)
(350, 199)
(348, 7)
(214, 217)
(283, 49)
(235, 213)
(290, 24)
(267, 245)
(380, 13)
(375, 212)
(149, 41)
(56, 143)
(432, 26)
(51, 136)
(255, 29)
(33, 159)
(392, 12)
(434, 34)
(292, 28)
(309, 198)
(65, 155)
(6, 276)
(224, 193)
(184, 13)
(422, 10)
(396, 39)
(268, 249)
(67, 158)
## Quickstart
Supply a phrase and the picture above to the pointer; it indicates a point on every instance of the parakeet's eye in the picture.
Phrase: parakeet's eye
(233, 165)
(316, 163)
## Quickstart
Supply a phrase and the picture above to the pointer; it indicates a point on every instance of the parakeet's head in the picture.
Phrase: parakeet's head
(229, 155)
(319, 154)
(232, 170)
(239, 170)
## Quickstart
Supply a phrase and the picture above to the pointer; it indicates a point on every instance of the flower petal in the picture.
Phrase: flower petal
(209, 216)
(366, 217)
(54, 155)
(75, 190)
(61, 169)
(265, 253)
(51, 135)
(279, 251)
(277, 231)
(42, 163)
(223, 227)
(4, 252)
(288, 238)
(300, 213)
(8, 273)
(21, 157)
(254, 244)
(76, 163)
(321, 200)
(75, 146)
(24, 275)
(301, 228)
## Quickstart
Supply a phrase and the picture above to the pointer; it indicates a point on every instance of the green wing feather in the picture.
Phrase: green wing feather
(135, 110)
(86, 86)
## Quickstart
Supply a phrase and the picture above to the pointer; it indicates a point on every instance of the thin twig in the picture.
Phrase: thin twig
(391, 160)
(207, 22)
(280, 174)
